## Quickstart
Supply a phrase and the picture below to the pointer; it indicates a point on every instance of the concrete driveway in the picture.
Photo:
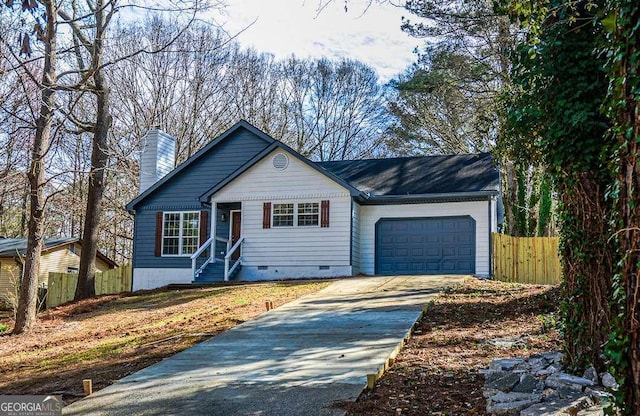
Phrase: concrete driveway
(299, 359)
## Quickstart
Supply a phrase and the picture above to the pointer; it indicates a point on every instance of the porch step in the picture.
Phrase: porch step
(214, 272)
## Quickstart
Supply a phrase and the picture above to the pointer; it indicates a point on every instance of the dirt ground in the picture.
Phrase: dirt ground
(109, 337)
(437, 371)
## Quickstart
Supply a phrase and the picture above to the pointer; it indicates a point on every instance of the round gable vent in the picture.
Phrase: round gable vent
(280, 161)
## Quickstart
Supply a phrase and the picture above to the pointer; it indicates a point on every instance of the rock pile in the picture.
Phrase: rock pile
(538, 386)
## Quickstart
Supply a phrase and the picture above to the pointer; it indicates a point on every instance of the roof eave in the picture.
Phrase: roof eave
(443, 196)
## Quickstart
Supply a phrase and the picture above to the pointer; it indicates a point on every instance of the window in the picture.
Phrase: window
(308, 214)
(180, 231)
(283, 215)
(72, 270)
(301, 214)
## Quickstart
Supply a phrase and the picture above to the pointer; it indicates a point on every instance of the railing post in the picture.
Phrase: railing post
(226, 268)
(214, 221)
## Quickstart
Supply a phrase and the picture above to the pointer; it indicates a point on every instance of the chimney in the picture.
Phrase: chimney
(157, 158)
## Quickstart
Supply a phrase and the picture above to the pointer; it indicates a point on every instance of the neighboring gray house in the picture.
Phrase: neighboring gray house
(280, 215)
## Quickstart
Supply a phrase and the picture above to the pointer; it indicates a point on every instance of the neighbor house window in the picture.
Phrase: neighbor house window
(180, 231)
(283, 215)
(308, 214)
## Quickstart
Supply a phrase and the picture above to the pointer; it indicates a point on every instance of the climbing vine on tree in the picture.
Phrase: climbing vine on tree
(622, 48)
(553, 116)
(576, 107)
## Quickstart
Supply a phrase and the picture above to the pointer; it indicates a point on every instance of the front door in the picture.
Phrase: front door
(236, 221)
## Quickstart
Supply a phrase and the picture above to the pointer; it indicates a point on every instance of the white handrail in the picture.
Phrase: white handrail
(227, 259)
(195, 255)
(201, 249)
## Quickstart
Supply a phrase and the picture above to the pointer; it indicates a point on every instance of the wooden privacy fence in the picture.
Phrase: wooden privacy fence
(525, 259)
(62, 286)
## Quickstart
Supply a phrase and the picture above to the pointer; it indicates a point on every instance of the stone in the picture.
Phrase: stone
(563, 380)
(549, 394)
(502, 382)
(538, 387)
(552, 356)
(609, 381)
(512, 342)
(591, 374)
(558, 407)
(508, 408)
(528, 384)
(567, 392)
(592, 411)
(598, 395)
(505, 364)
(512, 397)
(548, 370)
(569, 379)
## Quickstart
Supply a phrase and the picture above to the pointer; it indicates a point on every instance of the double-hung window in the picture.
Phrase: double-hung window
(308, 214)
(283, 215)
(301, 214)
(180, 231)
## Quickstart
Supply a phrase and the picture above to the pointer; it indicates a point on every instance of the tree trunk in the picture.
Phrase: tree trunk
(626, 98)
(510, 188)
(588, 268)
(630, 245)
(99, 161)
(629, 209)
(27, 303)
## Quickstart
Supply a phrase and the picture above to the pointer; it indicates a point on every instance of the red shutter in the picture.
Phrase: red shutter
(159, 219)
(324, 214)
(266, 215)
(203, 230)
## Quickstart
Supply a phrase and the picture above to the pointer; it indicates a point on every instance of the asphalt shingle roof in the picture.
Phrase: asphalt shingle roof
(11, 246)
(419, 175)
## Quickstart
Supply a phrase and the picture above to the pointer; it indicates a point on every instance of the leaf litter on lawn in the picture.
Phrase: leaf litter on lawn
(108, 337)
(437, 371)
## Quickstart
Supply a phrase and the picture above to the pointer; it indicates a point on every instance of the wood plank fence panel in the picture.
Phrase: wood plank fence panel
(62, 286)
(533, 260)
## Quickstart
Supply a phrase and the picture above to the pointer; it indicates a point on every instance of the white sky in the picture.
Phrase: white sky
(285, 27)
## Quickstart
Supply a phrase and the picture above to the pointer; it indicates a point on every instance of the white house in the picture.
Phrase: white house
(279, 215)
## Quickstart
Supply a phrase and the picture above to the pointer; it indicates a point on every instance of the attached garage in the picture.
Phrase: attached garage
(440, 245)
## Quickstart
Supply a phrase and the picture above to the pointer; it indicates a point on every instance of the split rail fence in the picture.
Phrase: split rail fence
(534, 260)
(62, 286)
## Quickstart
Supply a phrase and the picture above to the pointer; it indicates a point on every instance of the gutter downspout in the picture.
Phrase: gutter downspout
(490, 248)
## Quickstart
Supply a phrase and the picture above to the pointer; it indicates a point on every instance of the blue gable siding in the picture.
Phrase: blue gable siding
(181, 193)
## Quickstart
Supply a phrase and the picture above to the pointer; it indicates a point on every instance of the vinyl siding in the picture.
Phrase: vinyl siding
(290, 246)
(355, 238)
(181, 193)
(9, 271)
(370, 214)
(60, 258)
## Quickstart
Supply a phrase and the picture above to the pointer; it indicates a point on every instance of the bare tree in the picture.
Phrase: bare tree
(338, 109)
(89, 26)
(46, 33)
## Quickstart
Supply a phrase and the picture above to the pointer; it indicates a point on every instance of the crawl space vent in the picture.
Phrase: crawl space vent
(280, 161)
